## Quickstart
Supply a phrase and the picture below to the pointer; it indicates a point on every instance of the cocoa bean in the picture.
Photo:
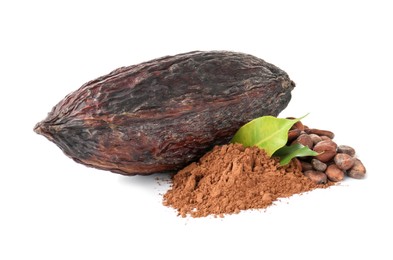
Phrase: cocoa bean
(327, 150)
(324, 138)
(298, 125)
(298, 164)
(344, 161)
(346, 149)
(163, 114)
(305, 140)
(334, 173)
(358, 171)
(318, 165)
(316, 176)
(315, 138)
(320, 132)
(293, 134)
(306, 166)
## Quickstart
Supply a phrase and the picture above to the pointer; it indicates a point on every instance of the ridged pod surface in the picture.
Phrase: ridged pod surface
(161, 115)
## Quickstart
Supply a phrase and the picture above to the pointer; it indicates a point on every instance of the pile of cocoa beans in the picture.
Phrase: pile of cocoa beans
(333, 161)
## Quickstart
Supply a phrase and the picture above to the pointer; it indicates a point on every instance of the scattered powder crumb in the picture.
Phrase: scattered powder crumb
(231, 178)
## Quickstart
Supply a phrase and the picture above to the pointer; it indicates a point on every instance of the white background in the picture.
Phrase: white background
(339, 53)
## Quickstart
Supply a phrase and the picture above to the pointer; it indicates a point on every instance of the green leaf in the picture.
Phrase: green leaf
(287, 153)
(268, 132)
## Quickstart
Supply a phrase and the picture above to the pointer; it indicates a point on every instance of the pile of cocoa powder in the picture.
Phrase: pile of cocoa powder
(231, 178)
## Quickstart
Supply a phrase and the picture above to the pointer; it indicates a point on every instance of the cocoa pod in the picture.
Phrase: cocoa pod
(163, 114)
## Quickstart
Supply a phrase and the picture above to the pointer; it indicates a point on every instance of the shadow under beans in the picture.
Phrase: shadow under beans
(152, 180)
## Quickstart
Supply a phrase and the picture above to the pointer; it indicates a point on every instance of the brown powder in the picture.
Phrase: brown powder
(232, 178)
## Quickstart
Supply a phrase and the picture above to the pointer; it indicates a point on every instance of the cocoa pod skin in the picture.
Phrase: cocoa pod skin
(160, 115)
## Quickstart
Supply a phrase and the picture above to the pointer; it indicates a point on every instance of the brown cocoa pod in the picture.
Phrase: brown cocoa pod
(334, 173)
(316, 176)
(358, 171)
(163, 114)
(327, 149)
(344, 161)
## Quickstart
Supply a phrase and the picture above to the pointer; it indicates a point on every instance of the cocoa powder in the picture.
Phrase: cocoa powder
(231, 178)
